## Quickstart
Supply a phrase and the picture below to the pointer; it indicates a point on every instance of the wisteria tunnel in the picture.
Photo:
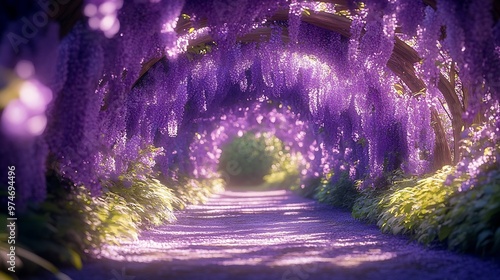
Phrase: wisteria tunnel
(250, 139)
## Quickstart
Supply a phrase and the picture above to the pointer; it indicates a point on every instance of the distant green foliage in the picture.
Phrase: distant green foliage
(430, 209)
(248, 159)
(338, 191)
(285, 167)
(255, 160)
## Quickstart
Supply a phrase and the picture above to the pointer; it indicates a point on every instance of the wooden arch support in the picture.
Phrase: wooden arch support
(401, 63)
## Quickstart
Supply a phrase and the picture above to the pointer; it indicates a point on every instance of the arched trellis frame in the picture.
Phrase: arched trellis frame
(123, 61)
(401, 62)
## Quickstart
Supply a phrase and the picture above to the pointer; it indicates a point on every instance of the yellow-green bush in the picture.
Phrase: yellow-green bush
(416, 206)
(338, 191)
(367, 206)
(261, 160)
(253, 157)
(150, 201)
(472, 223)
(285, 168)
(71, 224)
(429, 210)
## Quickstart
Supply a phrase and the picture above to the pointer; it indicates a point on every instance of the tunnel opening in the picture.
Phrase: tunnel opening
(251, 157)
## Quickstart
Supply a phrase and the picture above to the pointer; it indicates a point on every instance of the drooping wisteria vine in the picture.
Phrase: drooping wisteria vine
(174, 73)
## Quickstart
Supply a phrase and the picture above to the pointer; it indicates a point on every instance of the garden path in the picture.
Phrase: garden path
(276, 235)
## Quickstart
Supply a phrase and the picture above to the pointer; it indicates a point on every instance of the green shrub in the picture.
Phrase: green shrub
(473, 222)
(309, 185)
(340, 192)
(252, 160)
(151, 201)
(285, 168)
(367, 206)
(71, 224)
(417, 206)
(25, 258)
(428, 210)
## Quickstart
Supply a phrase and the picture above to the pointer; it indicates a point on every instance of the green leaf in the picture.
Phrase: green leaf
(444, 232)
(483, 237)
(75, 259)
(407, 208)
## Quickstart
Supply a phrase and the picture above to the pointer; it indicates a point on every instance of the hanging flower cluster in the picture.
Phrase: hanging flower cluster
(125, 78)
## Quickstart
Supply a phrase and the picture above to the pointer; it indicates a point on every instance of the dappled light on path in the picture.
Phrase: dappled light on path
(278, 235)
(249, 228)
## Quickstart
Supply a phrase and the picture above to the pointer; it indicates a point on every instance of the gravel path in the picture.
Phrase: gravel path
(276, 235)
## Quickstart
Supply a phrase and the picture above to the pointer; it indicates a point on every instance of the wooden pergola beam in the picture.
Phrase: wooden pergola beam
(401, 61)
